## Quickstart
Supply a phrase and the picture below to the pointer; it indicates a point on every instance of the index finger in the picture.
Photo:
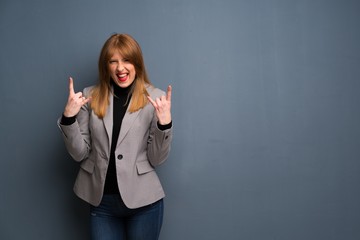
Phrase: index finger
(168, 94)
(71, 86)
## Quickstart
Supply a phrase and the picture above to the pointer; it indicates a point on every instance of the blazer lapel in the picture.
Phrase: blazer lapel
(130, 118)
(127, 122)
(108, 119)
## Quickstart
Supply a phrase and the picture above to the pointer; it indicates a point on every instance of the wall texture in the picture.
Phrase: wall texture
(265, 104)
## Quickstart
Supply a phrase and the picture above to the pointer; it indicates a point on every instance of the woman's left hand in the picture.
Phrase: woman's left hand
(162, 107)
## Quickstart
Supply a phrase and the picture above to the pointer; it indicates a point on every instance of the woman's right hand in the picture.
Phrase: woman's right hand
(75, 101)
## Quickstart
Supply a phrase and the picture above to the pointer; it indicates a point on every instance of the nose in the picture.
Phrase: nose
(120, 67)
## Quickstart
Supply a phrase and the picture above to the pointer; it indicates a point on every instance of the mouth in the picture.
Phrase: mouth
(122, 77)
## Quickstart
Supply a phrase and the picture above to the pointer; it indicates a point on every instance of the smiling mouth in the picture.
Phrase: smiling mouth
(122, 77)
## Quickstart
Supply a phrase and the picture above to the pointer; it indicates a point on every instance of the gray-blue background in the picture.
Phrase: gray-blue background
(265, 105)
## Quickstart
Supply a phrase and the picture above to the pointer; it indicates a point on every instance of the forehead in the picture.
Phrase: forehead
(116, 54)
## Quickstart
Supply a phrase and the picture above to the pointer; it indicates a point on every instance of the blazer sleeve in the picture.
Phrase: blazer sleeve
(77, 135)
(159, 142)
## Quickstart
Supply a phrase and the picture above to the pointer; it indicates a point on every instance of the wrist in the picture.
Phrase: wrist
(68, 114)
(164, 120)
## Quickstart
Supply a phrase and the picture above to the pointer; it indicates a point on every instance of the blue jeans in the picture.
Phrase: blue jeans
(112, 220)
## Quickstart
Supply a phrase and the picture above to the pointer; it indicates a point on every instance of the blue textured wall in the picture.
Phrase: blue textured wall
(265, 105)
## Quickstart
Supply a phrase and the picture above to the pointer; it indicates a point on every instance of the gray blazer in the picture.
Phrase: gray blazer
(141, 146)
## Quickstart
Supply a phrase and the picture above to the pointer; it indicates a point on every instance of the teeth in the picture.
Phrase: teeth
(122, 75)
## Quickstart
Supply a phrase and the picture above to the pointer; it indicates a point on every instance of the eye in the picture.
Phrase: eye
(112, 61)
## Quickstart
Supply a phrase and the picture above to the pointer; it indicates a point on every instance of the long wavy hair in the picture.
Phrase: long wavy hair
(128, 48)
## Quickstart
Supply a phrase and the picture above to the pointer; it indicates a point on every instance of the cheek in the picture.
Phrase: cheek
(131, 68)
(110, 69)
(134, 71)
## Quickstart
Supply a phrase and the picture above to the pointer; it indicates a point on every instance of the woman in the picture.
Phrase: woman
(119, 130)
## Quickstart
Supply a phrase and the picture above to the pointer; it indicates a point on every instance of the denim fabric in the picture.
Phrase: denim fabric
(112, 220)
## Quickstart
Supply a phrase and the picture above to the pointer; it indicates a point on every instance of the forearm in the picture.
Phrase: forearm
(76, 134)
(159, 144)
(76, 143)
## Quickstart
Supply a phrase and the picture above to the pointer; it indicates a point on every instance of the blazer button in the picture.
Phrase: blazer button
(120, 156)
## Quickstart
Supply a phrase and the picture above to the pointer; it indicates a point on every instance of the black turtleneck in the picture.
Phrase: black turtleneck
(120, 104)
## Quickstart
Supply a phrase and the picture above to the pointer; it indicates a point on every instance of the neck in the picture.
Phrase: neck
(119, 91)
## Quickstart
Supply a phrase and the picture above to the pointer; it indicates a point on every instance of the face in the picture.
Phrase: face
(121, 71)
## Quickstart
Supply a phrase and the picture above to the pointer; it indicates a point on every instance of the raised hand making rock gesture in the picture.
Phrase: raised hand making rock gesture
(75, 101)
(162, 107)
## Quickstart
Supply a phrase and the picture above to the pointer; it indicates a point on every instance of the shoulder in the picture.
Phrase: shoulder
(154, 92)
(87, 90)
